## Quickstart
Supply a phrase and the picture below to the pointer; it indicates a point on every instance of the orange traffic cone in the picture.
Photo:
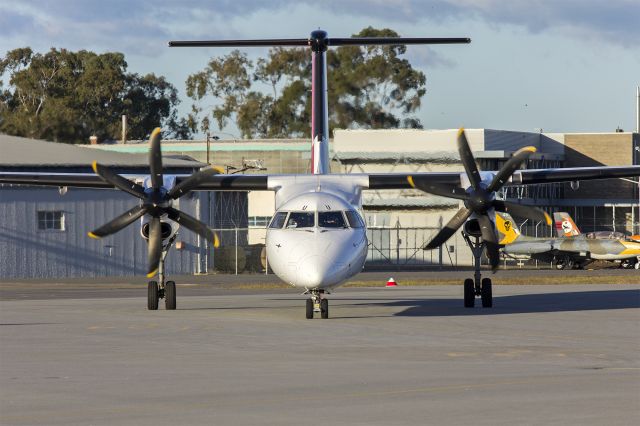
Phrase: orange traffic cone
(391, 283)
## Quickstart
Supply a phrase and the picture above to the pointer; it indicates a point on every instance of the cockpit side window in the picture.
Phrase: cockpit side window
(355, 221)
(278, 220)
(331, 220)
(301, 220)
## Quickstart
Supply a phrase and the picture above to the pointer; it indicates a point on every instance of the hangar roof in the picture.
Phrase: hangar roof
(18, 152)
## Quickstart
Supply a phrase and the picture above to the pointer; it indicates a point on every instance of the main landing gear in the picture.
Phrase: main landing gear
(477, 286)
(317, 304)
(162, 289)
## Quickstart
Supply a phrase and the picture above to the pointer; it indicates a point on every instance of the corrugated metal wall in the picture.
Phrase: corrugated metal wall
(26, 252)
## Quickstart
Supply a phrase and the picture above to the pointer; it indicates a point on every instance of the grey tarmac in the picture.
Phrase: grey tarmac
(559, 355)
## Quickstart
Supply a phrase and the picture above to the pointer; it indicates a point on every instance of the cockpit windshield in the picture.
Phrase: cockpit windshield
(300, 220)
(307, 219)
(278, 220)
(331, 220)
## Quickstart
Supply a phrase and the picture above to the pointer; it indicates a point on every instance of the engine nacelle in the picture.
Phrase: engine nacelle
(168, 229)
(472, 228)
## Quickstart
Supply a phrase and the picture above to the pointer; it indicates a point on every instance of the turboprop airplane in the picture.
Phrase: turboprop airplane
(317, 237)
(570, 251)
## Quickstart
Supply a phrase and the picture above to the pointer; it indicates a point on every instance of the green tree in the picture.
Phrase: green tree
(369, 87)
(68, 96)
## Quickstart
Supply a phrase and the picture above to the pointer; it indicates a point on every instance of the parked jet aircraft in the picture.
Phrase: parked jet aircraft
(566, 251)
(566, 227)
(316, 239)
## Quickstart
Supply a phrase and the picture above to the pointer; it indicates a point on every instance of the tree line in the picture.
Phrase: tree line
(68, 96)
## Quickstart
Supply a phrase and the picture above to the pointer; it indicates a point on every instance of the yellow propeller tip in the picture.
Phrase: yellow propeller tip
(410, 180)
(531, 148)
(460, 131)
(216, 242)
(548, 219)
(94, 166)
(92, 235)
(152, 274)
(156, 131)
(218, 169)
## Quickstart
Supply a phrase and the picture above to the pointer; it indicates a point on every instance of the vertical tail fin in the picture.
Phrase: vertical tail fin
(565, 226)
(508, 231)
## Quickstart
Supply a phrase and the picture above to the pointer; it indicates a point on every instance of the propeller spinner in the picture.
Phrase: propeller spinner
(479, 198)
(156, 202)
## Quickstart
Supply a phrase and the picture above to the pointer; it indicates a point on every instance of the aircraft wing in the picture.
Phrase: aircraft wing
(250, 182)
(525, 177)
(90, 180)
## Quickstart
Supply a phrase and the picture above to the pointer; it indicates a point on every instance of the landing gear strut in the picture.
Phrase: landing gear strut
(316, 303)
(477, 286)
(160, 289)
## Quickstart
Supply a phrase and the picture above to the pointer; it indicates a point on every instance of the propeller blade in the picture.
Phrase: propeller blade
(490, 240)
(449, 229)
(119, 222)
(118, 181)
(468, 161)
(513, 164)
(192, 182)
(155, 246)
(193, 224)
(155, 159)
(522, 210)
(441, 189)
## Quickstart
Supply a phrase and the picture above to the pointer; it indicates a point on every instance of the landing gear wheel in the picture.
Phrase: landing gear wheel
(309, 308)
(324, 309)
(469, 293)
(170, 295)
(153, 296)
(486, 293)
(628, 264)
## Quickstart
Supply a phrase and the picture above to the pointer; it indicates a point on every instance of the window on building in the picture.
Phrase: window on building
(259, 221)
(51, 220)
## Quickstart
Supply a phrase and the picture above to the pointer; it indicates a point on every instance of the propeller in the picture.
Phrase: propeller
(479, 198)
(156, 202)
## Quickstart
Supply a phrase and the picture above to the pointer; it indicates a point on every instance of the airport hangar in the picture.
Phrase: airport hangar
(43, 231)
(399, 221)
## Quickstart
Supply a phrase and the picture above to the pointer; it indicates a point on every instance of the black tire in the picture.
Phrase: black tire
(628, 263)
(324, 308)
(309, 309)
(560, 265)
(153, 296)
(469, 293)
(486, 293)
(170, 295)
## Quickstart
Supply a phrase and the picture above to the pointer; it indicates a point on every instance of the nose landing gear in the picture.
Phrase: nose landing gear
(317, 304)
(477, 286)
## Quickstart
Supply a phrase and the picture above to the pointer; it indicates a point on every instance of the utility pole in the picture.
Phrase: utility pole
(124, 129)
(208, 147)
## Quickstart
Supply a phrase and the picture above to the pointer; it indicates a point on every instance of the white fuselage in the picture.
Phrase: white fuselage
(317, 239)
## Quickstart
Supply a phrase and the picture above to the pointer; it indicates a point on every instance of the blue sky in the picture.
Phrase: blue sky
(566, 65)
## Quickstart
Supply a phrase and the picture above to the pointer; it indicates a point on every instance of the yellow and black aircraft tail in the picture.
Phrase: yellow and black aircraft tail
(508, 231)
(565, 226)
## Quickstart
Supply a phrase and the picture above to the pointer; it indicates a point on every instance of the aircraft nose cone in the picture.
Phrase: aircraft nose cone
(315, 271)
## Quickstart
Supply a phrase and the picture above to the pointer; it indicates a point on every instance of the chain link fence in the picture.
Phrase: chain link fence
(242, 250)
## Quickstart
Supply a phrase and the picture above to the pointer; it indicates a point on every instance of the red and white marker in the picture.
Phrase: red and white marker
(391, 283)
